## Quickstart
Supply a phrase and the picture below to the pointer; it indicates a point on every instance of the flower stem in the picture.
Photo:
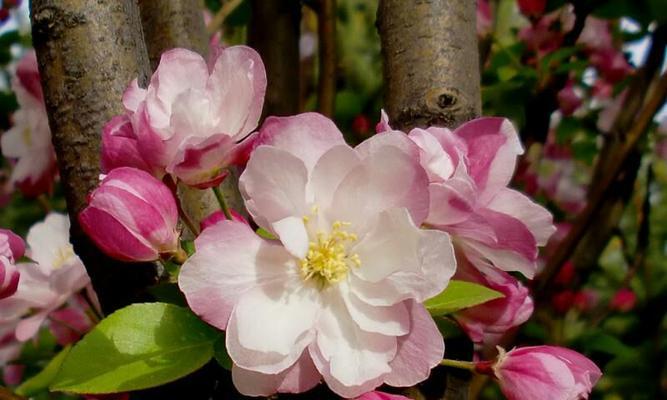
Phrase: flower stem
(467, 365)
(221, 200)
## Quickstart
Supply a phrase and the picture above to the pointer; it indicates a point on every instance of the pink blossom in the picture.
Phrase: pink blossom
(132, 216)
(377, 395)
(191, 118)
(624, 300)
(338, 295)
(469, 170)
(48, 282)
(532, 8)
(545, 373)
(608, 115)
(487, 322)
(72, 321)
(29, 140)
(10, 350)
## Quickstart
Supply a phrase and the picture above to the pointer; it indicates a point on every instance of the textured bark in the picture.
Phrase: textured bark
(274, 33)
(431, 62)
(172, 23)
(88, 52)
(326, 33)
(431, 72)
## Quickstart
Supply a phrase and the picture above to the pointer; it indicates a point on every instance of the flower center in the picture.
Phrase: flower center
(328, 261)
(62, 256)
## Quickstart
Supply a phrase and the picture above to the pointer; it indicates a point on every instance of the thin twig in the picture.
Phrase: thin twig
(326, 28)
(221, 15)
(586, 218)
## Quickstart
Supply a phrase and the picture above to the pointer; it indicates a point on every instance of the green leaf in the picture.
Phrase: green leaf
(137, 347)
(43, 379)
(221, 355)
(459, 295)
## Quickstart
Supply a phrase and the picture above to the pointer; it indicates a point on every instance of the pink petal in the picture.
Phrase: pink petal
(133, 95)
(300, 377)
(306, 136)
(230, 260)
(274, 186)
(372, 187)
(536, 218)
(120, 146)
(393, 320)
(237, 86)
(203, 164)
(493, 146)
(418, 352)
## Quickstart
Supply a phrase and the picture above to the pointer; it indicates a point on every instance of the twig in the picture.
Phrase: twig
(221, 15)
(599, 192)
(326, 28)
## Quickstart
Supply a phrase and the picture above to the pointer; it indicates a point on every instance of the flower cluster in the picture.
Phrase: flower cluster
(28, 142)
(48, 289)
(353, 239)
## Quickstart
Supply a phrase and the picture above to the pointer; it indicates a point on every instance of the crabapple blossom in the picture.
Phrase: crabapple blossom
(29, 140)
(48, 282)
(12, 246)
(487, 322)
(190, 120)
(623, 300)
(468, 171)
(545, 373)
(132, 216)
(338, 295)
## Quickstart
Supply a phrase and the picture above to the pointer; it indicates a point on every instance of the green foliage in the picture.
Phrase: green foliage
(459, 295)
(42, 381)
(137, 347)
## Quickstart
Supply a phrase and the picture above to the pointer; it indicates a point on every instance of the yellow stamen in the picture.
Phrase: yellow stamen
(327, 260)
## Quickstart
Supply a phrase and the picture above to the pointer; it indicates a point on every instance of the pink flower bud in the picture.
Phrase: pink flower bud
(545, 373)
(376, 395)
(132, 216)
(9, 277)
(624, 300)
(11, 245)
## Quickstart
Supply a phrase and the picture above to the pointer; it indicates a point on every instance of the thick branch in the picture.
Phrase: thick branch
(172, 23)
(326, 33)
(88, 52)
(274, 33)
(431, 62)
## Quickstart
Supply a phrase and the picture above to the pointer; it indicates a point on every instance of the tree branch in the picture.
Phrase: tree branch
(274, 33)
(326, 33)
(88, 52)
(172, 23)
(431, 62)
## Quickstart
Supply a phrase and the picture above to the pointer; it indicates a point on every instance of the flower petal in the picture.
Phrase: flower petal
(230, 260)
(418, 352)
